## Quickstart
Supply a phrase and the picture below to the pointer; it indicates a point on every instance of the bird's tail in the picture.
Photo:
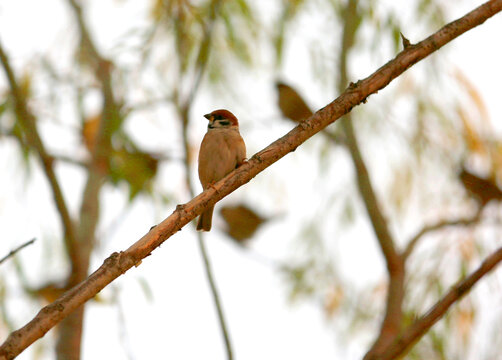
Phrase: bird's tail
(205, 220)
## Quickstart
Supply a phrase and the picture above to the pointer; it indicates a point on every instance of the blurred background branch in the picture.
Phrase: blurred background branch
(392, 321)
(33, 141)
(402, 343)
(107, 98)
(440, 225)
(17, 249)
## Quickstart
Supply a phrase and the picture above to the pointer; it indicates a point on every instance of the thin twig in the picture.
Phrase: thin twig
(118, 263)
(70, 160)
(438, 226)
(402, 344)
(216, 296)
(14, 251)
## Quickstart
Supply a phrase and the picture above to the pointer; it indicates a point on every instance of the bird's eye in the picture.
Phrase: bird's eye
(224, 122)
(217, 117)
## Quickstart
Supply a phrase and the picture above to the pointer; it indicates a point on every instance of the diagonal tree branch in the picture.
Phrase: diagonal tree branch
(28, 122)
(119, 263)
(403, 343)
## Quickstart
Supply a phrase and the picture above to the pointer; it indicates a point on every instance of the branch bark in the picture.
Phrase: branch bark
(119, 263)
(403, 343)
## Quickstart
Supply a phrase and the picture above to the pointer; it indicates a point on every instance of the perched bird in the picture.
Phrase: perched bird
(241, 222)
(291, 104)
(221, 151)
(483, 190)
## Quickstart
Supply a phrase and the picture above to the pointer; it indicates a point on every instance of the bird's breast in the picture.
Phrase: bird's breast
(219, 154)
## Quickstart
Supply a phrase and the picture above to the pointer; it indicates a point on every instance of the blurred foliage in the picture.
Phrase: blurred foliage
(430, 139)
(47, 293)
(311, 270)
(135, 167)
(126, 163)
(415, 137)
(8, 123)
(146, 288)
(225, 29)
(6, 323)
(289, 9)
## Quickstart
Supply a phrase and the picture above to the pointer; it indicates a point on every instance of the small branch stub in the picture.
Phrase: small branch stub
(406, 42)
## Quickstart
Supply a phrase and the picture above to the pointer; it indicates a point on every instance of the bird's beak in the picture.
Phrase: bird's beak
(209, 117)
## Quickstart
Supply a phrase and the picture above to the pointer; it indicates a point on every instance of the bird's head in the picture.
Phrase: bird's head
(221, 118)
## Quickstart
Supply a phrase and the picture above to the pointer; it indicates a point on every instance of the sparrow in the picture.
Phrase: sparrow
(291, 104)
(483, 190)
(221, 151)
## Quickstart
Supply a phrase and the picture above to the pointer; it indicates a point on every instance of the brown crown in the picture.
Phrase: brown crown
(224, 114)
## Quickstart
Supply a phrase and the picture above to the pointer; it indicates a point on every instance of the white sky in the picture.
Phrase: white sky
(180, 322)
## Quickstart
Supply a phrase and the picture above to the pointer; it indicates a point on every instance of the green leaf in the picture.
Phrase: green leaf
(135, 167)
